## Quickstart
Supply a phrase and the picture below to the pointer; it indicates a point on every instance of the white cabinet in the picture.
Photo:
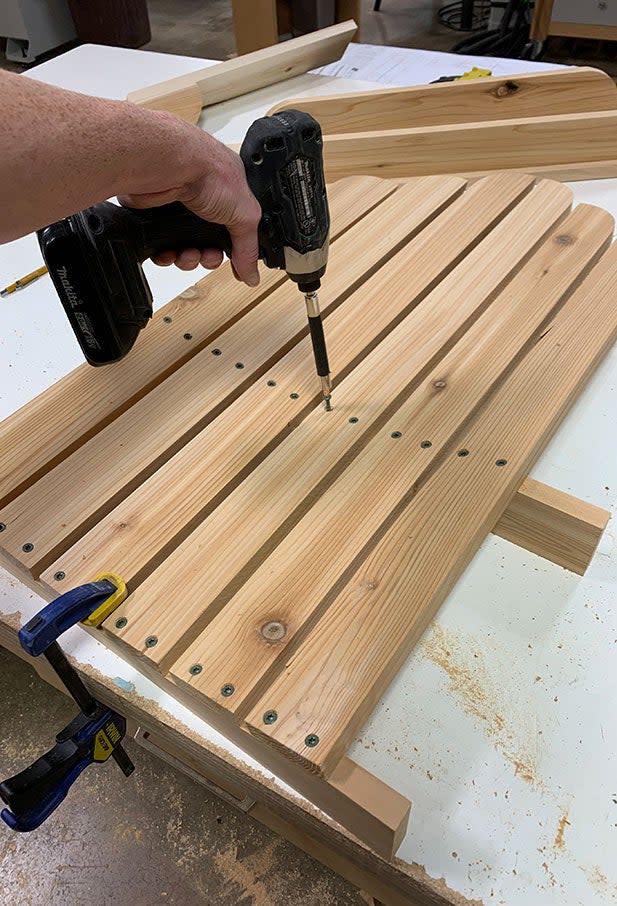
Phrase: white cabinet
(33, 27)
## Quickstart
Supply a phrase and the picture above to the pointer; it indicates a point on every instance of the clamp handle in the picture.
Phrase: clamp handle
(67, 610)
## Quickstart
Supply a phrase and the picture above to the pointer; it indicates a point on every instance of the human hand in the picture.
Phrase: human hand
(216, 189)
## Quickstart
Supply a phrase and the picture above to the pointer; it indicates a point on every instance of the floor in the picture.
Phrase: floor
(158, 838)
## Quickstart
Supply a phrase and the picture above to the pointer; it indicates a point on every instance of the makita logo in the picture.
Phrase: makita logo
(70, 293)
(87, 332)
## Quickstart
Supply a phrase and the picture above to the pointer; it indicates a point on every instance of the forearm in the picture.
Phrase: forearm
(61, 151)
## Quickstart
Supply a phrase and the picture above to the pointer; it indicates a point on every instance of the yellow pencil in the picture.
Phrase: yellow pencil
(24, 281)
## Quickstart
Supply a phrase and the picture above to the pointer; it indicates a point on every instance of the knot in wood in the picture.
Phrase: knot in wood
(564, 239)
(440, 384)
(274, 630)
(506, 90)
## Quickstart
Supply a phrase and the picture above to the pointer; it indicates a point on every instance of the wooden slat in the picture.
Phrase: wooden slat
(257, 508)
(195, 394)
(388, 601)
(34, 439)
(554, 525)
(292, 583)
(572, 90)
(224, 448)
(544, 141)
(245, 73)
(541, 21)
(255, 24)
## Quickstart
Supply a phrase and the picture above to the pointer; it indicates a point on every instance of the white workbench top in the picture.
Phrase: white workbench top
(500, 728)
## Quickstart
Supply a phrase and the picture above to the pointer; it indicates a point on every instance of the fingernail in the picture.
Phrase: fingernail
(253, 279)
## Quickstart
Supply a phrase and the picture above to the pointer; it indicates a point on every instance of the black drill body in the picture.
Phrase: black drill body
(95, 257)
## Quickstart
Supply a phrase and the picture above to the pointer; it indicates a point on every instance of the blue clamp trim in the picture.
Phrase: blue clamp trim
(33, 818)
(66, 611)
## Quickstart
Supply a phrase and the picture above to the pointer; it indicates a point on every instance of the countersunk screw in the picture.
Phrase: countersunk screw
(167, 319)
(188, 336)
(2, 526)
(311, 740)
(274, 630)
(151, 641)
(60, 575)
(270, 717)
(426, 444)
(216, 352)
(239, 365)
(294, 396)
(271, 383)
(26, 548)
(195, 669)
(353, 420)
(463, 453)
(121, 622)
(501, 462)
(396, 435)
(228, 689)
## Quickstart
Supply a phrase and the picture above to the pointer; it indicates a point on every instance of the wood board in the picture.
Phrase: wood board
(442, 301)
(577, 89)
(185, 95)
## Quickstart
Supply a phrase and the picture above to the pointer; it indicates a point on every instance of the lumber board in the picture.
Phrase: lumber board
(541, 141)
(32, 441)
(244, 534)
(554, 525)
(572, 90)
(255, 24)
(194, 395)
(185, 95)
(370, 637)
(231, 649)
(542, 12)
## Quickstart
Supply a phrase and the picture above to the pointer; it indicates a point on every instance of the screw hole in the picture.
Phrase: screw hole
(227, 690)
(167, 319)
(311, 740)
(60, 576)
(2, 526)
(462, 453)
(271, 383)
(270, 717)
(501, 462)
(27, 548)
(151, 641)
(239, 365)
(216, 352)
(294, 396)
(121, 622)
(426, 444)
(353, 420)
(396, 435)
(188, 336)
(195, 669)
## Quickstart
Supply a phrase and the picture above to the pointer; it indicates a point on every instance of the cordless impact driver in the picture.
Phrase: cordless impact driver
(95, 257)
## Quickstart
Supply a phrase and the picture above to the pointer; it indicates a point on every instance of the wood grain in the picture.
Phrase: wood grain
(572, 90)
(291, 586)
(544, 141)
(245, 73)
(372, 638)
(554, 525)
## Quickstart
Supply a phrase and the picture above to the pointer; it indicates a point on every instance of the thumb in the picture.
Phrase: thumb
(245, 254)
(149, 199)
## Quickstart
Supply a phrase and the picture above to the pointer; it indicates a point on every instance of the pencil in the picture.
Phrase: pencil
(23, 281)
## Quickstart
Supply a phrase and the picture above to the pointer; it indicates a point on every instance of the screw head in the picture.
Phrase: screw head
(60, 575)
(274, 630)
(396, 435)
(121, 622)
(270, 717)
(294, 396)
(188, 336)
(195, 669)
(354, 420)
(151, 641)
(426, 444)
(501, 462)
(271, 383)
(239, 365)
(167, 319)
(463, 453)
(228, 689)
(27, 548)
(311, 740)
(2, 526)
(217, 352)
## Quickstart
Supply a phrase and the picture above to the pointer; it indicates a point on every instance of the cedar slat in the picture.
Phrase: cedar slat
(389, 600)
(34, 438)
(292, 585)
(243, 522)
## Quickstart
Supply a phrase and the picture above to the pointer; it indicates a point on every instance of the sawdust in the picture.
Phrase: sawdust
(598, 879)
(125, 832)
(246, 874)
(472, 684)
(563, 822)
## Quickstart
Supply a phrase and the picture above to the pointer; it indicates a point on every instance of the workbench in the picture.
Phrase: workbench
(498, 728)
